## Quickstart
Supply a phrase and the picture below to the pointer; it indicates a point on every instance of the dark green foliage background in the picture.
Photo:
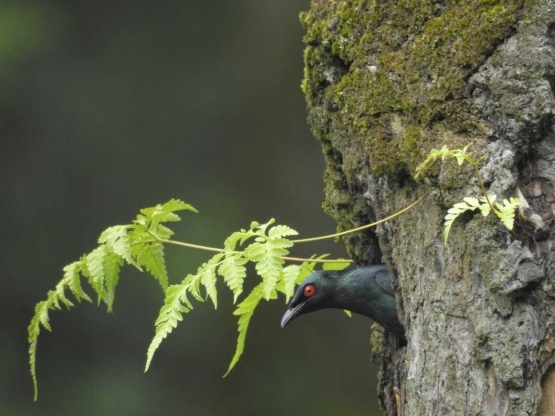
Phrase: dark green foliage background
(110, 106)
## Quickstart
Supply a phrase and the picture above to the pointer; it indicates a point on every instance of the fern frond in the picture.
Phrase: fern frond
(267, 256)
(176, 302)
(132, 244)
(280, 231)
(234, 272)
(336, 266)
(151, 256)
(260, 229)
(192, 282)
(469, 204)
(485, 206)
(112, 265)
(238, 237)
(72, 279)
(40, 317)
(245, 311)
(506, 211)
(289, 276)
(460, 154)
(170, 314)
(452, 214)
(95, 272)
(267, 252)
(162, 231)
(208, 280)
(206, 275)
(117, 240)
(166, 212)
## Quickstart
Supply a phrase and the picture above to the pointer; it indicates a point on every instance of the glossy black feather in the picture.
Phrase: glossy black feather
(366, 291)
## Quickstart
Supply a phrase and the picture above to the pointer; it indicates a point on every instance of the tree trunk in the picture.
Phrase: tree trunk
(385, 82)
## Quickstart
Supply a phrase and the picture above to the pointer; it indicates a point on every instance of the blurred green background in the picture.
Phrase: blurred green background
(109, 106)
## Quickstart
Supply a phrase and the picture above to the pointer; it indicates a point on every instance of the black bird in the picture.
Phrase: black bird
(366, 291)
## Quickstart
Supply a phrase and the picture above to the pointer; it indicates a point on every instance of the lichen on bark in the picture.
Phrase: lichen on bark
(387, 81)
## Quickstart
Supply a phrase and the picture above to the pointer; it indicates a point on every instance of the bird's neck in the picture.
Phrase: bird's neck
(353, 293)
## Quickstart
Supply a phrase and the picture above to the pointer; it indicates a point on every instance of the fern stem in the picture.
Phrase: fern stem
(300, 259)
(304, 240)
(219, 250)
(189, 245)
(482, 185)
(418, 201)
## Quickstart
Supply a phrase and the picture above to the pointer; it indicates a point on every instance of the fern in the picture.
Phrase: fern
(245, 310)
(112, 265)
(289, 277)
(141, 244)
(136, 244)
(505, 211)
(151, 256)
(95, 271)
(469, 204)
(461, 155)
(267, 253)
(170, 314)
(233, 271)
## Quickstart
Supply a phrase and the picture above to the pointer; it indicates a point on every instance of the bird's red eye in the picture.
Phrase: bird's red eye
(309, 290)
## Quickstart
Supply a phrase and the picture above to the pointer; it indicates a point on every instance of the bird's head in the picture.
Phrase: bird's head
(315, 292)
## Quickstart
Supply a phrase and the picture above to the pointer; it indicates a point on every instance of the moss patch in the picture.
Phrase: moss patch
(391, 74)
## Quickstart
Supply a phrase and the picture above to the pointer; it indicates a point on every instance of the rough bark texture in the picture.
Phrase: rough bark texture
(387, 81)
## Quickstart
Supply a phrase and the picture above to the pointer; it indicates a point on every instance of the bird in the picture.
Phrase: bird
(366, 291)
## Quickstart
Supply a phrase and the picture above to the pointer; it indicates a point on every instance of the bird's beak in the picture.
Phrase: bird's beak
(290, 314)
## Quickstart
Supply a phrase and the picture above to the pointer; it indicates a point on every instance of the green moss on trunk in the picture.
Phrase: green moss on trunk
(392, 73)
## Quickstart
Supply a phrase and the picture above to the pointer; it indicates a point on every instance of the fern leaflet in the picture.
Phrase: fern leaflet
(169, 316)
(245, 310)
(506, 212)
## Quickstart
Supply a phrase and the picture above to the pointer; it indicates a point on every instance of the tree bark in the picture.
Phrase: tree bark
(385, 82)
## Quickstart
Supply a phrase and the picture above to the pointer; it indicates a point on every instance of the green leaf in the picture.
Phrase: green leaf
(261, 228)
(110, 234)
(289, 277)
(349, 314)
(112, 264)
(166, 212)
(280, 231)
(460, 154)
(206, 275)
(471, 201)
(506, 211)
(234, 272)
(208, 280)
(237, 237)
(117, 240)
(469, 204)
(39, 318)
(485, 208)
(336, 266)
(268, 260)
(170, 314)
(452, 215)
(95, 268)
(73, 280)
(162, 231)
(245, 311)
(151, 256)
(192, 281)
